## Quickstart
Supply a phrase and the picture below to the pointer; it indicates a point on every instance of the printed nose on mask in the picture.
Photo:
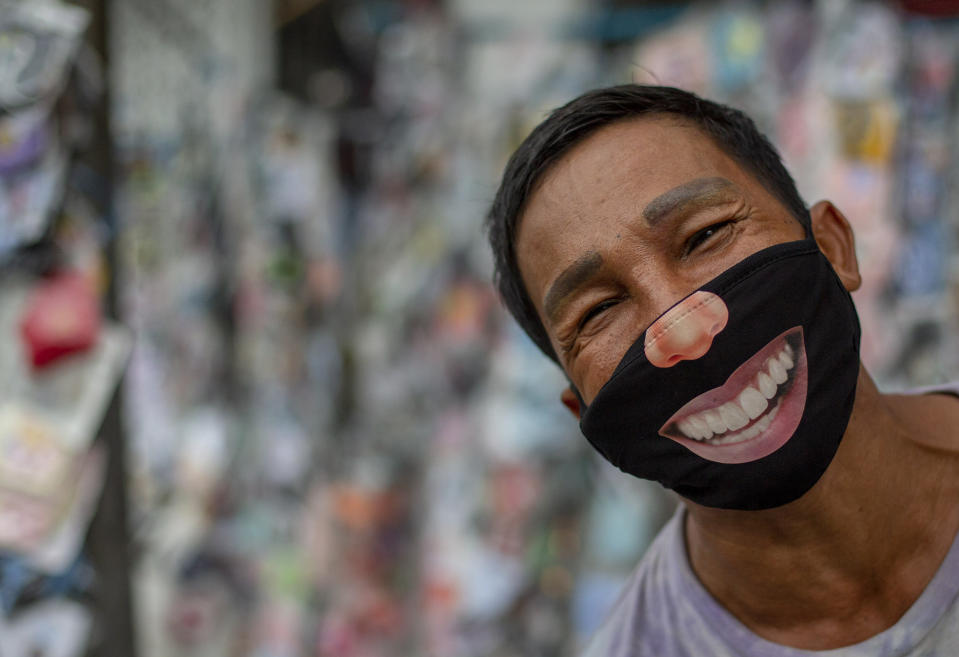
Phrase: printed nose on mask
(687, 329)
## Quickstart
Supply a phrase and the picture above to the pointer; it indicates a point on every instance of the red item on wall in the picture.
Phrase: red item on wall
(940, 8)
(62, 317)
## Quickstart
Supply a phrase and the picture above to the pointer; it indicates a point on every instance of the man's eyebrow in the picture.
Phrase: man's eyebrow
(691, 195)
(572, 277)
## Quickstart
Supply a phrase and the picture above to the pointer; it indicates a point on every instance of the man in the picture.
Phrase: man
(652, 244)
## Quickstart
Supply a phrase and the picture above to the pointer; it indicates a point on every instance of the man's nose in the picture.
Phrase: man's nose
(687, 330)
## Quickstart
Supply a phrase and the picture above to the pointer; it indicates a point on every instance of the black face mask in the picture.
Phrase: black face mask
(737, 396)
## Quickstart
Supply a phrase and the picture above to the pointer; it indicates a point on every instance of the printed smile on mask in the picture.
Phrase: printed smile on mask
(747, 405)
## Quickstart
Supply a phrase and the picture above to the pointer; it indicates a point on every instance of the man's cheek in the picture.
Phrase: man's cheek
(601, 360)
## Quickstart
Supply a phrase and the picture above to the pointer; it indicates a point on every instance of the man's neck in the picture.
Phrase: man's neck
(846, 560)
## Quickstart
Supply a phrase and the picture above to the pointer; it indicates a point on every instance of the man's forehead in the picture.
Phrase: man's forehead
(640, 157)
(645, 169)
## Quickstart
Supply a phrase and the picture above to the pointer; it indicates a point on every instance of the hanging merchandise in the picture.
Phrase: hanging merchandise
(64, 365)
(790, 35)
(69, 395)
(23, 586)
(41, 518)
(25, 139)
(38, 42)
(866, 130)
(28, 196)
(61, 358)
(40, 39)
(65, 540)
(737, 41)
(53, 628)
(923, 258)
(623, 517)
(858, 70)
(678, 56)
(921, 269)
(62, 318)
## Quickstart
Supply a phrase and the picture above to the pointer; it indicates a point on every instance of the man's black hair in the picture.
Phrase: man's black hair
(731, 130)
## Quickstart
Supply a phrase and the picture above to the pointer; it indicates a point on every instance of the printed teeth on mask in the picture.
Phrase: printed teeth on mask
(722, 425)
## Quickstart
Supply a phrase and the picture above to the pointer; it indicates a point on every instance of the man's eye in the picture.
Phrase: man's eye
(704, 235)
(597, 310)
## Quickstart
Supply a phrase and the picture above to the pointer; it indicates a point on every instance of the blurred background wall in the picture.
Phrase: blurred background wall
(258, 396)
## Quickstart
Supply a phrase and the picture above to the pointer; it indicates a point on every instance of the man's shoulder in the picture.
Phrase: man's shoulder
(934, 412)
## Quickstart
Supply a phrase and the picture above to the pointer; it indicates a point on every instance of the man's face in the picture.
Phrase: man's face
(636, 217)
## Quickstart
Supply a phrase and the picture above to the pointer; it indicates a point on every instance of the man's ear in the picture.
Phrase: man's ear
(571, 401)
(834, 236)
